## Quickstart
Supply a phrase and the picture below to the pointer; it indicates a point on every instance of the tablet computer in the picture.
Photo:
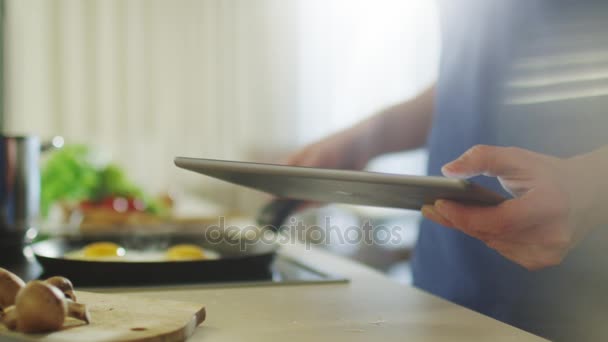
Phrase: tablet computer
(342, 186)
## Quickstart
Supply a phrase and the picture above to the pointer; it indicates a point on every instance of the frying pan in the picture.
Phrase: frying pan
(237, 261)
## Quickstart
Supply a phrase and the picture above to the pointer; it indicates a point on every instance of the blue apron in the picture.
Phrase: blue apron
(519, 73)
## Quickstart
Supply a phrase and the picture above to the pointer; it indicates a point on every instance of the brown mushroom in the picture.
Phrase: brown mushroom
(9, 319)
(40, 307)
(64, 285)
(10, 284)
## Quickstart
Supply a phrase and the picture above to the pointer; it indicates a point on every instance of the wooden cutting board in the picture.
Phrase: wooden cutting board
(125, 318)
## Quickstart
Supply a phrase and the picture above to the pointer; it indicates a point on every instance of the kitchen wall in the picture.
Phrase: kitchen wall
(146, 80)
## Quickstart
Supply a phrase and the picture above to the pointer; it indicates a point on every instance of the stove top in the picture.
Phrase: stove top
(284, 271)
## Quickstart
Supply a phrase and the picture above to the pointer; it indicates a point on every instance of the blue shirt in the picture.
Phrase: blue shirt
(532, 74)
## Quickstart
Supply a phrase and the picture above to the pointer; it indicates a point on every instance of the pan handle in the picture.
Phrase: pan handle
(274, 214)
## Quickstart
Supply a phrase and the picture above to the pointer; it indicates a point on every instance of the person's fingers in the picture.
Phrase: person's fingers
(530, 256)
(537, 208)
(430, 213)
(509, 250)
(296, 158)
(486, 160)
(479, 221)
(551, 235)
(304, 205)
(532, 209)
(309, 156)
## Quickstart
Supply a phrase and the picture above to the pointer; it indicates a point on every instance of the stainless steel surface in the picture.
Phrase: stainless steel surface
(20, 190)
(19, 184)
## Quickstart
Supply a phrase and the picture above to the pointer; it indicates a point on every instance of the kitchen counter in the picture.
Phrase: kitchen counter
(370, 307)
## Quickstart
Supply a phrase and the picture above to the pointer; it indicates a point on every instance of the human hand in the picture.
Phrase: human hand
(552, 208)
(343, 150)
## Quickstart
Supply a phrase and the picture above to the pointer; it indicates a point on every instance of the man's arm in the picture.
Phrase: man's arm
(404, 126)
(400, 127)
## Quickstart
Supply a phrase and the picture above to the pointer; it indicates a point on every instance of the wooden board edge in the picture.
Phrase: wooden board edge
(181, 334)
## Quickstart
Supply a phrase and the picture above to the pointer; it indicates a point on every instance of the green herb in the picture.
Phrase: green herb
(71, 175)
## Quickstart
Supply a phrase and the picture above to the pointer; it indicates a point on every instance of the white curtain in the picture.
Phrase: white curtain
(146, 80)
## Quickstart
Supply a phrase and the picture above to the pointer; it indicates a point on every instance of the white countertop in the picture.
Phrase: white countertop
(370, 307)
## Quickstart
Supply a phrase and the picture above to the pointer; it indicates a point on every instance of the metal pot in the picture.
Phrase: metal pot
(20, 190)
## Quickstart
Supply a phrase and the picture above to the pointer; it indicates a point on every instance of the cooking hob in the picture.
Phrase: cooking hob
(283, 271)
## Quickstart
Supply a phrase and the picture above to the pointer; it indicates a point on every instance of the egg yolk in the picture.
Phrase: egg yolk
(185, 252)
(103, 250)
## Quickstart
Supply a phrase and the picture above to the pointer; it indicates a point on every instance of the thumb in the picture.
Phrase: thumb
(485, 160)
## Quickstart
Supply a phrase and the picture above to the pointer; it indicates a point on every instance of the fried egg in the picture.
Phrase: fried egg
(99, 251)
(185, 252)
(109, 251)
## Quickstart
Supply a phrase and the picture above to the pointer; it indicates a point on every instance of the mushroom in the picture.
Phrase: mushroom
(10, 284)
(40, 307)
(63, 284)
(9, 319)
